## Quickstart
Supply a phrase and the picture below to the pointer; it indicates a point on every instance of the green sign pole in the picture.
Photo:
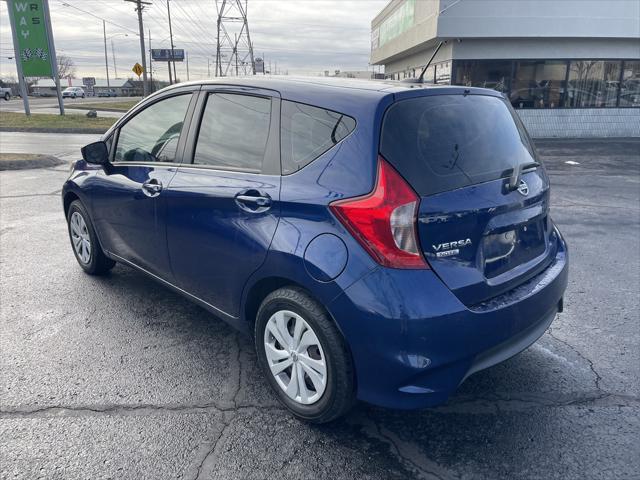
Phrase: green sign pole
(33, 43)
(54, 58)
(16, 49)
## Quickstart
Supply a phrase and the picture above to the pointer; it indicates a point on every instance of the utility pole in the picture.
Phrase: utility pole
(172, 46)
(187, 59)
(106, 57)
(151, 86)
(143, 51)
(208, 67)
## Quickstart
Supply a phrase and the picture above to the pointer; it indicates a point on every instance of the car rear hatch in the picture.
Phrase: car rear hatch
(480, 235)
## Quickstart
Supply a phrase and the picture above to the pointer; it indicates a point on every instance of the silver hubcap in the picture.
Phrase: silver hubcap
(295, 357)
(80, 238)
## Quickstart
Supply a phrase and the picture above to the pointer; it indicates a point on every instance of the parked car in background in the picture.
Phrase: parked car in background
(107, 93)
(73, 92)
(379, 241)
(5, 93)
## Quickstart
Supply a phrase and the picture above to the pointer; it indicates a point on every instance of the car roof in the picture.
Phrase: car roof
(324, 91)
(355, 97)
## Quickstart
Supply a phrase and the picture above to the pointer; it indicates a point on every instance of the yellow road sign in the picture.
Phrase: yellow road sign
(137, 69)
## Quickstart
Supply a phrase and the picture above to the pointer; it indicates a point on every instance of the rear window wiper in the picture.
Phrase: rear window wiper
(516, 173)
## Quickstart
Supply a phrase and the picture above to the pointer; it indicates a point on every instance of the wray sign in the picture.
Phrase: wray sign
(31, 33)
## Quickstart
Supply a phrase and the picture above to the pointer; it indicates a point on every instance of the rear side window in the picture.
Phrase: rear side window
(307, 132)
(445, 142)
(234, 132)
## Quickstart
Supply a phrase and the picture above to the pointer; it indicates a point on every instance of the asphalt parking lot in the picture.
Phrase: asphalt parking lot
(117, 377)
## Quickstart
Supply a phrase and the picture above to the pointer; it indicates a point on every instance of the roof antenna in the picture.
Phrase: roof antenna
(420, 79)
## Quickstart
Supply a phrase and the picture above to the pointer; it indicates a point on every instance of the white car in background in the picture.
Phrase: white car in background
(73, 92)
(5, 93)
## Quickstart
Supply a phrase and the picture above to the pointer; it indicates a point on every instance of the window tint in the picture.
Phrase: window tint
(234, 132)
(152, 135)
(308, 132)
(444, 142)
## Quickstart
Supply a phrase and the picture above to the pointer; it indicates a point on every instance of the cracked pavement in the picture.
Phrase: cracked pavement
(117, 377)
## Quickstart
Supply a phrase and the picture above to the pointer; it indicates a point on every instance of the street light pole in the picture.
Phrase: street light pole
(113, 54)
(106, 58)
(175, 77)
(151, 87)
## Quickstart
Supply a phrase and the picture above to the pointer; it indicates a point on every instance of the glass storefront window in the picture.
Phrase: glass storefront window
(484, 73)
(443, 73)
(429, 75)
(593, 83)
(630, 86)
(538, 84)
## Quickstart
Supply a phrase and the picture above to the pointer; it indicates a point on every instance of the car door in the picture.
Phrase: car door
(223, 200)
(128, 204)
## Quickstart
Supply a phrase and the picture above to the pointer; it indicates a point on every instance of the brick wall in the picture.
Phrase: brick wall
(582, 122)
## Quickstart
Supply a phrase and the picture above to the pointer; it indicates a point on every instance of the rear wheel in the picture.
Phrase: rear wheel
(304, 356)
(7, 97)
(84, 241)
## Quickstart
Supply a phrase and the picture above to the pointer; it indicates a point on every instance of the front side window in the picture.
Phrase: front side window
(307, 132)
(234, 132)
(153, 134)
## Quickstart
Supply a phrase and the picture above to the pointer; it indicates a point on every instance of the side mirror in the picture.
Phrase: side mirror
(96, 153)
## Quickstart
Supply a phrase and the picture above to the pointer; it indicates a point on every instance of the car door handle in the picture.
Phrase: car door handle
(152, 188)
(253, 201)
(259, 201)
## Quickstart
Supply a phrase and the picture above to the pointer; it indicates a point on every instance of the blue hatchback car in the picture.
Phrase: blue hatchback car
(379, 241)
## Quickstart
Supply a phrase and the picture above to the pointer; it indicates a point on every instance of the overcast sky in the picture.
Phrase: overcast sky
(302, 36)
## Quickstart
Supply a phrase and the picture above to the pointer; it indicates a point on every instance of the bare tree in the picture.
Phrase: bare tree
(66, 67)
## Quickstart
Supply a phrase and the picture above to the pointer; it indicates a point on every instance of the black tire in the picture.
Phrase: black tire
(99, 263)
(7, 97)
(340, 392)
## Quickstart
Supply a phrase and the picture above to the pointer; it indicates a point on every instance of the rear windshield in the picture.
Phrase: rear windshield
(445, 142)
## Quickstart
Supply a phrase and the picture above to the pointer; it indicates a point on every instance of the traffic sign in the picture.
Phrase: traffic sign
(137, 69)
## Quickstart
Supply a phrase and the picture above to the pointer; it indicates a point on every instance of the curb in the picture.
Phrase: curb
(53, 130)
(74, 107)
(44, 161)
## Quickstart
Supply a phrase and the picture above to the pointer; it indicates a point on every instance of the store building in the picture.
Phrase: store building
(570, 67)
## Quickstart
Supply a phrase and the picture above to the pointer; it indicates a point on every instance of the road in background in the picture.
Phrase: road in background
(118, 377)
(50, 105)
(55, 144)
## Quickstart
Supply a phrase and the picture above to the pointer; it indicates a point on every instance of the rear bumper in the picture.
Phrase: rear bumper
(413, 342)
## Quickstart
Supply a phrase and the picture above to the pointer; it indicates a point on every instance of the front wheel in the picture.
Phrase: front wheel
(84, 241)
(304, 356)
(7, 97)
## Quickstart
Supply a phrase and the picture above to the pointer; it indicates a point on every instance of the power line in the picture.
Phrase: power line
(67, 4)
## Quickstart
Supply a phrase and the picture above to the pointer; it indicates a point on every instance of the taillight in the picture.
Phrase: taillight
(384, 221)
